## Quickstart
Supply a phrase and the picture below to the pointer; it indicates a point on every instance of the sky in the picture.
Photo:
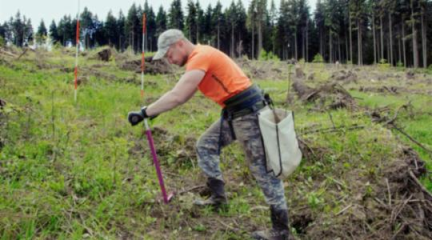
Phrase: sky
(49, 10)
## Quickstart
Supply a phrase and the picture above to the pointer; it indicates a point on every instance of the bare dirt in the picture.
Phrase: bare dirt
(151, 67)
(327, 96)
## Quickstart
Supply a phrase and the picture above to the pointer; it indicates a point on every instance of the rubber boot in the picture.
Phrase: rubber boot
(280, 230)
(217, 198)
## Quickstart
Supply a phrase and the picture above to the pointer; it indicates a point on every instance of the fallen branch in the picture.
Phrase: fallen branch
(343, 210)
(389, 193)
(395, 213)
(399, 231)
(7, 53)
(332, 129)
(306, 145)
(191, 189)
(25, 51)
(419, 184)
(229, 227)
(405, 106)
(411, 138)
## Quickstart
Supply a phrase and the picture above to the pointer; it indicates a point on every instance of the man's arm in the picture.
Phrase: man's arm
(181, 93)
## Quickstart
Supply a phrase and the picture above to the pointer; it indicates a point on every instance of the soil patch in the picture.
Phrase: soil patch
(344, 76)
(105, 55)
(150, 67)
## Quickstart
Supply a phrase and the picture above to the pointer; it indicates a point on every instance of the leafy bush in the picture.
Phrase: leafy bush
(383, 61)
(57, 46)
(267, 56)
(263, 55)
(383, 64)
(273, 57)
(301, 61)
(399, 64)
(318, 58)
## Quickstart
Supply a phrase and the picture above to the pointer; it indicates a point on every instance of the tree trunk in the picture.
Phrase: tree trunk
(424, 40)
(295, 45)
(374, 37)
(307, 41)
(414, 38)
(218, 36)
(321, 42)
(399, 47)
(330, 47)
(303, 45)
(359, 36)
(253, 41)
(260, 40)
(197, 33)
(346, 49)
(382, 39)
(390, 38)
(350, 39)
(339, 50)
(232, 40)
(403, 43)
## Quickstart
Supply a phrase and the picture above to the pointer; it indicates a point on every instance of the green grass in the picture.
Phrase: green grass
(417, 124)
(79, 170)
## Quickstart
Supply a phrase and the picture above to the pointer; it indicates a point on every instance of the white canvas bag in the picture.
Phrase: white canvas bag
(280, 141)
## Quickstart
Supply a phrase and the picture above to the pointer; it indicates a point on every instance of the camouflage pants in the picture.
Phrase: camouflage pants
(248, 134)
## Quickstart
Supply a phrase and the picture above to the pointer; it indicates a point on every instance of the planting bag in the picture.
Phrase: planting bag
(280, 141)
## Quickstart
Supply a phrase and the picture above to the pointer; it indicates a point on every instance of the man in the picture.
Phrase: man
(220, 79)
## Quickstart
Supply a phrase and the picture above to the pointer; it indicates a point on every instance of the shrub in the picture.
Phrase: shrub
(383, 61)
(383, 64)
(399, 64)
(263, 55)
(272, 57)
(267, 56)
(301, 61)
(57, 46)
(318, 59)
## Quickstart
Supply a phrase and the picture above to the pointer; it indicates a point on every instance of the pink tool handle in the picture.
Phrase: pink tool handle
(156, 163)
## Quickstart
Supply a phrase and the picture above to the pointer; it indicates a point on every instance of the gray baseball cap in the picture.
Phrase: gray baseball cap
(165, 40)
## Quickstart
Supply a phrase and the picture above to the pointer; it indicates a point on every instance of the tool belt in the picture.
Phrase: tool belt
(250, 100)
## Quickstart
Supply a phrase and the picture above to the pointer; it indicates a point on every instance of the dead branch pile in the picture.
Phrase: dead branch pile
(406, 204)
(344, 76)
(327, 96)
(383, 89)
(151, 67)
(400, 208)
(105, 54)
(6, 53)
(172, 149)
(410, 75)
(261, 69)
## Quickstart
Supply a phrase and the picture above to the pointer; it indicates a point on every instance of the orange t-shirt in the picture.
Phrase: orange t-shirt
(223, 78)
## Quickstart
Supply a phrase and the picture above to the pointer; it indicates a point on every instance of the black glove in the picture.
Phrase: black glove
(136, 117)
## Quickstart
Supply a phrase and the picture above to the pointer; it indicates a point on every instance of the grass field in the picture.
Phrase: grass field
(79, 170)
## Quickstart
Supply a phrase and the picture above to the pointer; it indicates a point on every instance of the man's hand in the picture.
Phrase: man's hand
(136, 117)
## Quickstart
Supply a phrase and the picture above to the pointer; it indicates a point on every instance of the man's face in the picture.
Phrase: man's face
(176, 54)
